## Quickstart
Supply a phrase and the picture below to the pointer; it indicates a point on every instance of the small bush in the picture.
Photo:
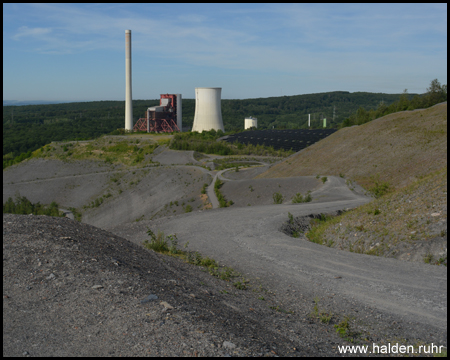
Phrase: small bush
(291, 218)
(278, 198)
(324, 179)
(157, 243)
(428, 258)
(188, 208)
(298, 198)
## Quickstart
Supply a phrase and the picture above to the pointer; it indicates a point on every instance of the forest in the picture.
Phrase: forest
(435, 94)
(29, 127)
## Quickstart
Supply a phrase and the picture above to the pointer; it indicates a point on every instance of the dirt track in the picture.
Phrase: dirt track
(248, 239)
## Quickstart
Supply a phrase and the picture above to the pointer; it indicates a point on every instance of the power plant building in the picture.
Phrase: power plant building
(208, 109)
(250, 122)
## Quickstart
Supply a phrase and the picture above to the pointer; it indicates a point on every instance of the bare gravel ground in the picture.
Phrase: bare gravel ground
(387, 299)
(71, 289)
(253, 192)
(127, 194)
(172, 157)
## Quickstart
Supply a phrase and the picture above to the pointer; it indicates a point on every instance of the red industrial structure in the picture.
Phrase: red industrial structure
(162, 118)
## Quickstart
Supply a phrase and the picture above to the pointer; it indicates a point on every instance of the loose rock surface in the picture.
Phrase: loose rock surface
(110, 297)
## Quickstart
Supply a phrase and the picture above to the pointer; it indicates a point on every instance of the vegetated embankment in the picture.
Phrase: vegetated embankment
(402, 158)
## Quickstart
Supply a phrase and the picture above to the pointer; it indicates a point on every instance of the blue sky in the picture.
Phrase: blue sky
(76, 52)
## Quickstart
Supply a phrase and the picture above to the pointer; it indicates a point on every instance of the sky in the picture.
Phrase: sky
(76, 52)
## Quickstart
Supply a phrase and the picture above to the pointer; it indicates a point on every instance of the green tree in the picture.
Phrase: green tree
(436, 93)
(403, 102)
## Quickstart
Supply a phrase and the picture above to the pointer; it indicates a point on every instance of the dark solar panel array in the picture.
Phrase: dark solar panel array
(281, 139)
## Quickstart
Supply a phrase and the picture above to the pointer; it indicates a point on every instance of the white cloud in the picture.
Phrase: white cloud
(25, 31)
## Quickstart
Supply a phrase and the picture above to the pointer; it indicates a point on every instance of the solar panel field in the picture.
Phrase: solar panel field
(281, 139)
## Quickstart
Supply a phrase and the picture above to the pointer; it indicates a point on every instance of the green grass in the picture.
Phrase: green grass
(319, 226)
(168, 245)
(344, 330)
(222, 201)
(105, 148)
(324, 317)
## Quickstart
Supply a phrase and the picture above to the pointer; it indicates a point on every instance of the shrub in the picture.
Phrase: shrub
(188, 208)
(157, 243)
(278, 198)
(291, 218)
(222, 201)
(324, 179)
(308, 197)
(24, 206)
(298, 198)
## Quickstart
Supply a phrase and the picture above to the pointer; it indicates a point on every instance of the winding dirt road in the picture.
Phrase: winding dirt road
(248, 239)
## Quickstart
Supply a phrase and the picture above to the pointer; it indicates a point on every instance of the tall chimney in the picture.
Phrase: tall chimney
(128, 97)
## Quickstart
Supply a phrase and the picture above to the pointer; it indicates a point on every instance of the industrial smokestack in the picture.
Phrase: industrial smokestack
(128, 97)
(208, 110)
(309, 120)
(179, 113)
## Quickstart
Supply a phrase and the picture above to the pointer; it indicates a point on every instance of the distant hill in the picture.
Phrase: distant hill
(35, 102)
(28, 127)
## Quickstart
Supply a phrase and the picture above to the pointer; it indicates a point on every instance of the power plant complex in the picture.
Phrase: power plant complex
(167, 117)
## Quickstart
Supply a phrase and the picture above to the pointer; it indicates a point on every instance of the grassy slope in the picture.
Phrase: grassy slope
(407, 149)
(399, 147)
(129, 150)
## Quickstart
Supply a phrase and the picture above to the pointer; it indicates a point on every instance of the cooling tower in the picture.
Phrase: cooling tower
(208, 110)
(128, 97)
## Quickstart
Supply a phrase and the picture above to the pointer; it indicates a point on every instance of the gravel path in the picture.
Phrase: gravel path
(386, 296)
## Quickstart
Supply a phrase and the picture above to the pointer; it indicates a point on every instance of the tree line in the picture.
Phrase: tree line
(28, 128)
(435, 94)
(25, 207)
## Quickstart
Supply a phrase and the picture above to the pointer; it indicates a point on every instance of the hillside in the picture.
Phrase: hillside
(399, 148)
(408, 152)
